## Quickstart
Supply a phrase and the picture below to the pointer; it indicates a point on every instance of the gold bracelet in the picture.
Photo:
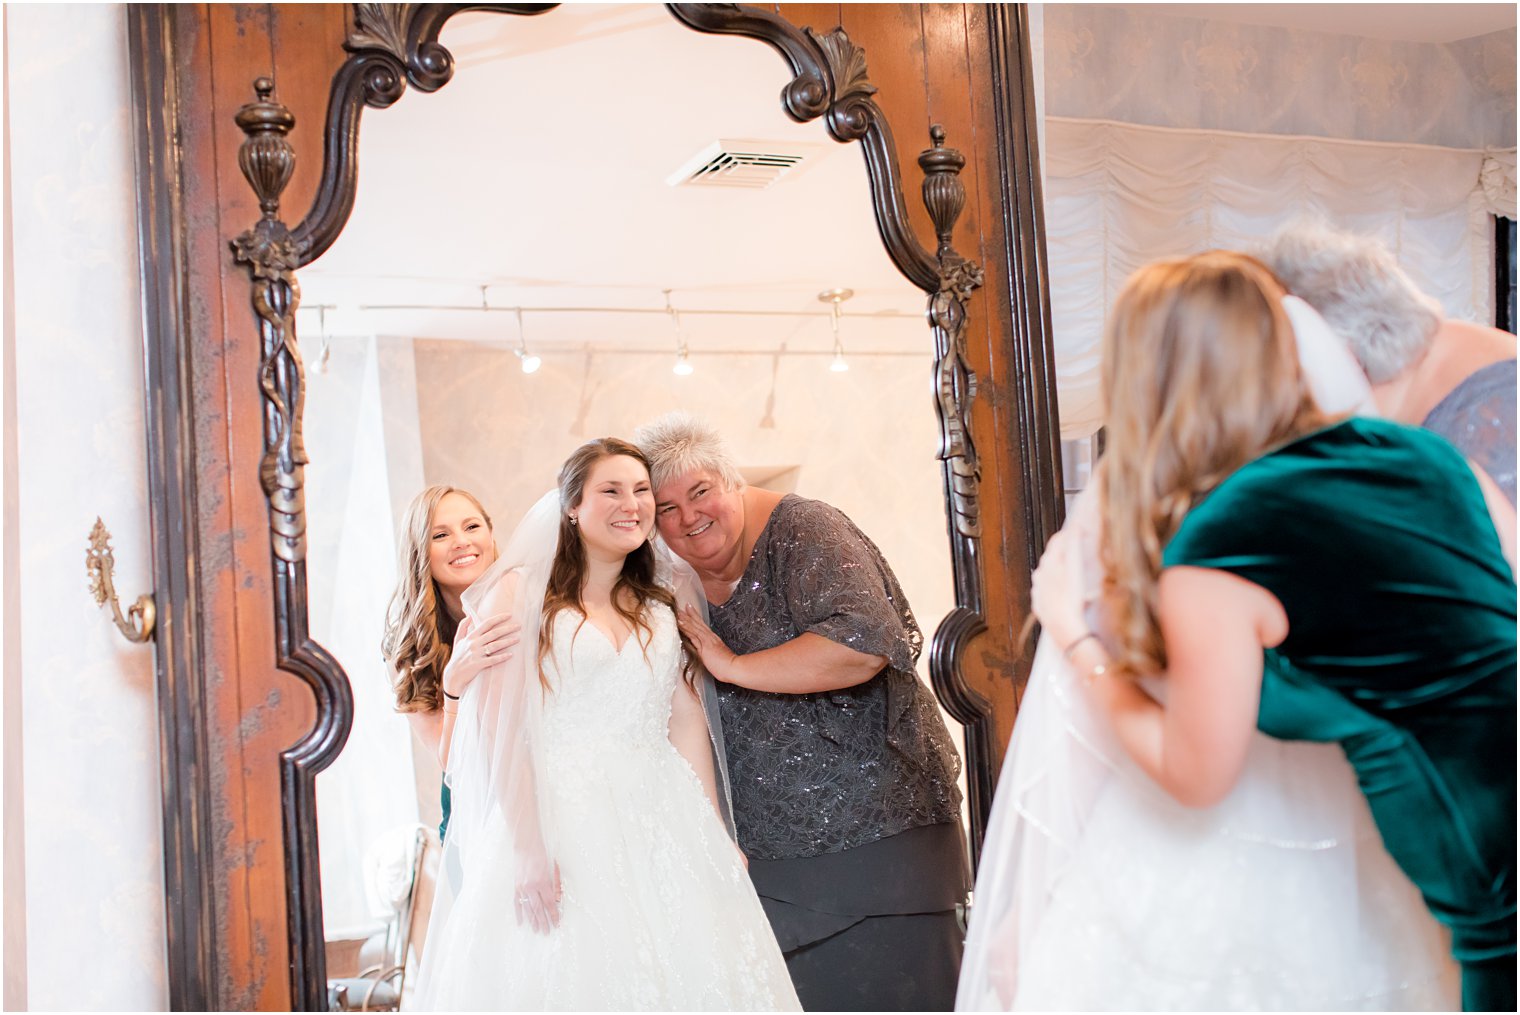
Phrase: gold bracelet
(1072, 648)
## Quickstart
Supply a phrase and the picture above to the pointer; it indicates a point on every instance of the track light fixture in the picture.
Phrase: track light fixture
(530, 363)
(835, 297)
(682, 367)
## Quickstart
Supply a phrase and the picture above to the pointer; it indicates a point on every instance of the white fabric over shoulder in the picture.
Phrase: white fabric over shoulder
(1335, 378)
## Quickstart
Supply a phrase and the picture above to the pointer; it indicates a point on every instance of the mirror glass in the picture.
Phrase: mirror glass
(547, 210)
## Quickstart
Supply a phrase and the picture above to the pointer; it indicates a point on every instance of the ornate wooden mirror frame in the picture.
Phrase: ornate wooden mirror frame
(390, 46)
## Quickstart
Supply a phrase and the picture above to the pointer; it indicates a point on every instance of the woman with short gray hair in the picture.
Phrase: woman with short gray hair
(677, 443)
(843, 773)
(1455, 378)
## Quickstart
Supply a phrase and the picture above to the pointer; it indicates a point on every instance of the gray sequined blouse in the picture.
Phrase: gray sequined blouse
(1479, 418)
(818, 773)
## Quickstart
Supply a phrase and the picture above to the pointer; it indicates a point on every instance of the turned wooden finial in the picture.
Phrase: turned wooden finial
(266, 156)
(944, 193)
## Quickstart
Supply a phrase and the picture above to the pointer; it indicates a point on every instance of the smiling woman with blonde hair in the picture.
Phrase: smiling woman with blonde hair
(433, 650)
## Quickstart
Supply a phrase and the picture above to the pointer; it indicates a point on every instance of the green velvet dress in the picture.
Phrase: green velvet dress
(1401, 647)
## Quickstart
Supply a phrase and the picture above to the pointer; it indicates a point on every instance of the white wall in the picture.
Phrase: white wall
(93, 861)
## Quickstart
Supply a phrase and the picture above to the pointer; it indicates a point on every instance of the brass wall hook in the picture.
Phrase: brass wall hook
(137, 625)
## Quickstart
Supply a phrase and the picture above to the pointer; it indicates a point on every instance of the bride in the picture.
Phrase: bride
(1097, 891)
(588, 866)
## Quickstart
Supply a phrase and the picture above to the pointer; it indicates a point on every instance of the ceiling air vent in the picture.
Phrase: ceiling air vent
(745, 162)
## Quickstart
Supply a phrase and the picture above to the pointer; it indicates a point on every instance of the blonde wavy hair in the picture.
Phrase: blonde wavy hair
(1200, 376)
(419, 633)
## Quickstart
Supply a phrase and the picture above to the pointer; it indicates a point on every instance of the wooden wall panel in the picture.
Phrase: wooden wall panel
(998, 663)
(821, 18)
(238, 634)
(307, 46)
(253, 710)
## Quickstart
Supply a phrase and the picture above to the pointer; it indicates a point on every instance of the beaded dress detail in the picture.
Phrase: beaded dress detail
(813, 773)
(1479, 418)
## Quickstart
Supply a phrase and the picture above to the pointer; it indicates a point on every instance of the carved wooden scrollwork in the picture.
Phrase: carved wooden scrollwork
(955, 382)
(381, 27)
(392, 46)
(852, 109)
(270, 254)
(267, 160)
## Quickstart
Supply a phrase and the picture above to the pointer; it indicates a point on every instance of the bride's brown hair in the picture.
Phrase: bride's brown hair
(1200, 376)
(637, 581)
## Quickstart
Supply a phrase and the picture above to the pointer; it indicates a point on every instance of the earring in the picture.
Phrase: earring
(574, 520)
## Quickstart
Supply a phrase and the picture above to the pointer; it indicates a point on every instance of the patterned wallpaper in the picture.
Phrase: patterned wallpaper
(1114, 62)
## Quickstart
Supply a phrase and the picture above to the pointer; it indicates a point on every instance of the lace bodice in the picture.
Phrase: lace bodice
(602, 702)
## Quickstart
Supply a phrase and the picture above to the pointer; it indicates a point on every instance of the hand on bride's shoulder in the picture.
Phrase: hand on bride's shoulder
(477, 647)
(714, 654)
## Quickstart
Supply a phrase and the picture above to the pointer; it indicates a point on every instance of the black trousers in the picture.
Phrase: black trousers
(882, 963)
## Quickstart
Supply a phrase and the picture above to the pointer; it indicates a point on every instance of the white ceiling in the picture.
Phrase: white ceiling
(1407, 22)
(540, 171)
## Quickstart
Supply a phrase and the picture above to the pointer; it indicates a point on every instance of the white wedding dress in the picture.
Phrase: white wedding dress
(658, 912)
(1098, 892)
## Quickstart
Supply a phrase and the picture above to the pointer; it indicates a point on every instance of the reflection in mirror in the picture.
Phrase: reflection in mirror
(604, 217)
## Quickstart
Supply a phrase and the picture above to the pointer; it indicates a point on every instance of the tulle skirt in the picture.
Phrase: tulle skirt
(658, 912)
(1098, 892)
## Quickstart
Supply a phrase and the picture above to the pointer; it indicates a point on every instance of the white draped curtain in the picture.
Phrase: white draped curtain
(1119, 195)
